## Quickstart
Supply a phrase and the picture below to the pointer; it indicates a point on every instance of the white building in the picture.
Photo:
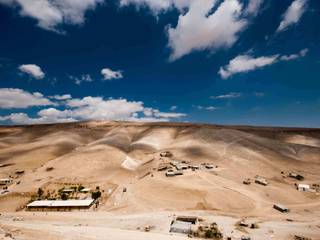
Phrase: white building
(60, 205)
(303, 187)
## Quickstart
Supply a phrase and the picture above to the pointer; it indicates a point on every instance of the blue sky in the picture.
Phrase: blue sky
(252, 62)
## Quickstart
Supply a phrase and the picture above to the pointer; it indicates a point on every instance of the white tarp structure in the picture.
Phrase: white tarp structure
(60, 203)
(303, 187)
(181, 227)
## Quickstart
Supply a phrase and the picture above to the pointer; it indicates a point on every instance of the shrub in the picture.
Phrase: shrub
(95, 195)
(40, 192)
(64, 196)
(80, 187)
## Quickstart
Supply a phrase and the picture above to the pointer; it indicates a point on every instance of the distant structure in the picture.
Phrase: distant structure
(5, 181)
(281, 208)
(60, 205)
(166, 154)
(183, 224)
(296, 176)
(172, 173)
(303, 187)
(247, 181)
(261, 181)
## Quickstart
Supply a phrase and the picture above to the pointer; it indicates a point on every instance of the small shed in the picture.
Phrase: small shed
(296, 176)
(170, 173)
(182, 166)
(209, 166)
(247, 181)
(303, 187)
(195, 167)
(261, 181)
(166, 154)
(281, 208)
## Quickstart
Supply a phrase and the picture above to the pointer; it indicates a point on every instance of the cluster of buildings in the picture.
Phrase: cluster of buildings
(4, 182)
(299, 186)
(195, 226)
(175, 167)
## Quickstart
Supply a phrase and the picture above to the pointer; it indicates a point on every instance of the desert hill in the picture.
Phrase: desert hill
(118, 155)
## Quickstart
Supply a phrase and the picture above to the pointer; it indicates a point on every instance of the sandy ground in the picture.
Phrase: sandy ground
(99, 225)
(118, 155)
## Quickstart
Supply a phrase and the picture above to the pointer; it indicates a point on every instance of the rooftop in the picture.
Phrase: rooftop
(61, 203)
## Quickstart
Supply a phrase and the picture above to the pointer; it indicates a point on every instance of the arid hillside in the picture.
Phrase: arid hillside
(123, 155)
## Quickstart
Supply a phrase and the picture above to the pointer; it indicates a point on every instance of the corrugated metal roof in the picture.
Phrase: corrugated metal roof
(61, 203)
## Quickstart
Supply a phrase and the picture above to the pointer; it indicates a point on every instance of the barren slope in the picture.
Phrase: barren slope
(115, 155)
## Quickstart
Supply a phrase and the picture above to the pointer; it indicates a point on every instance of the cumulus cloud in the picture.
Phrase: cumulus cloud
(62, 97)
(302, 53)
(167, 115)
(32, 70)
(246, 63)
(81, 79)
(200, 29)
(208, 108)
(52, 13)
(253, 7)
(157, 6)
(293, 14)
(109, 74)
(18, 98)
(227, 96)
(92, 108)
(173, 108)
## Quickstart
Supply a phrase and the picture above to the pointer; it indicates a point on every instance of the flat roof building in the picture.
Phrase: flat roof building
(59, 205)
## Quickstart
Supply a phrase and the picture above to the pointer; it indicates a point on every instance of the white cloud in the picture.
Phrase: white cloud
(302, 53)
(167, 115)
(253, 7)
(109, 74)
(61, 97)
(227, 96)
(22, 118)
(157, 6)
(81, 79)
(293, 14)
(199, 29)
(51, 13)
(173, 108)
(18, 98)
(211, 108)
(246, 63)
(93, 108)
(33, 70)
(208, 108)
